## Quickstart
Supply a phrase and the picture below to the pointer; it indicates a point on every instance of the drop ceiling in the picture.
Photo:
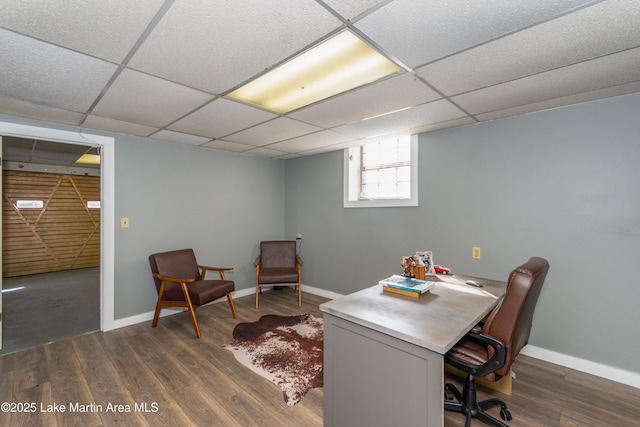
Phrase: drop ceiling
(163, 69)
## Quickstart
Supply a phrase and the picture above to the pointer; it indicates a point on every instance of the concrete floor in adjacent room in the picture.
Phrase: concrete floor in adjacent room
(49, 307)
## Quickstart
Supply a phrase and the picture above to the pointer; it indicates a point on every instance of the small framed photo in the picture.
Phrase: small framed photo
(426, 258)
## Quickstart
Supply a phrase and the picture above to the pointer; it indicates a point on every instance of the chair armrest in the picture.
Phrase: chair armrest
(257, 261)
(220, 270)
(298, 260)
(172, 279)
(204, 267)
(494, 363)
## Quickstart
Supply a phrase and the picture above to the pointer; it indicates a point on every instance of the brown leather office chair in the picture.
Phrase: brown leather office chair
(278, 265)
(488, 350)
(180, 282)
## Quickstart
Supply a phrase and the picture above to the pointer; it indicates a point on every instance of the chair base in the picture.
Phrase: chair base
(191, 308)
(468, 404)
(278, 287)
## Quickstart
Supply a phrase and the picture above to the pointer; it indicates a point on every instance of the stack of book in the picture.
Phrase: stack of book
(407, 286)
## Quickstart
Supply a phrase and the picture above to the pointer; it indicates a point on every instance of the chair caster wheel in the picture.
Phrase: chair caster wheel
(448, 395)
(505, 414)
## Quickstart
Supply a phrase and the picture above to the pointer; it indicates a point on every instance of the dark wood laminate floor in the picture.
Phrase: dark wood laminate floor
(182, 381)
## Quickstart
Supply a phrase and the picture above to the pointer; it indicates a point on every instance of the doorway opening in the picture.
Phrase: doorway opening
(105, 269)
(50, 241)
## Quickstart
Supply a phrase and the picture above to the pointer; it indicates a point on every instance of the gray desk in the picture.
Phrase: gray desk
(383, 352)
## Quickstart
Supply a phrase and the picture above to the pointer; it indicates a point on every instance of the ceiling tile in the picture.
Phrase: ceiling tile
(335, 147)
(433, 112)
(612, 70)
(26, 150)
(107, 29)
(17, 149)
(275, 130)
(20, 108)
(167, 135)
(351, 9)
(266, 152)
(235, 40)
(586, 34)
(221, 117)
(147, 100)
(235, 147)
(388, 95)
(562, 101)
(48, 75)
(113, 125)
(418, 31)
(55, 153)
(311, 141)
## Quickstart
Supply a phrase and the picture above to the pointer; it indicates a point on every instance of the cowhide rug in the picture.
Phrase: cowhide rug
(286, 350)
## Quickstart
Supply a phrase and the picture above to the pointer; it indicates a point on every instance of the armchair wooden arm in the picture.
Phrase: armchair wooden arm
(219, 270)
(172, 279)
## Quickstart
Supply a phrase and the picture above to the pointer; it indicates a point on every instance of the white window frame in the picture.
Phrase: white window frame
(352, 183)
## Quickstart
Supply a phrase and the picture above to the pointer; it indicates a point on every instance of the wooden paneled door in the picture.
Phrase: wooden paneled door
(48, 222)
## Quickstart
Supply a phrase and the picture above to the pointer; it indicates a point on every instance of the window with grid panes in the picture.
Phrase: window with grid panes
(382, 173)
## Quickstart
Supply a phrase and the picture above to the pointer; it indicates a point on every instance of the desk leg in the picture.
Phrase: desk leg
(373, 379)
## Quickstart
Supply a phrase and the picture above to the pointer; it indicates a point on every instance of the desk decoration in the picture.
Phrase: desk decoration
(408, 263)
(425, 258)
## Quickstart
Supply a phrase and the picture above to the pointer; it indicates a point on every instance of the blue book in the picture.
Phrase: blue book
(407, 284)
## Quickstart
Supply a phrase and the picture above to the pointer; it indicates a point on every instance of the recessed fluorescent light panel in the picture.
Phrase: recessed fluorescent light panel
(337, 65)
(89, 159)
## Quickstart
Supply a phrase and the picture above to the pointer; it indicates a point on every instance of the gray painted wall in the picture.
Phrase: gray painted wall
(562, 184)
(176, 196)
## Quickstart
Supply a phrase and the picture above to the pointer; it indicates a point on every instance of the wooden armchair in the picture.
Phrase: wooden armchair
(180, 282)
(278, 265)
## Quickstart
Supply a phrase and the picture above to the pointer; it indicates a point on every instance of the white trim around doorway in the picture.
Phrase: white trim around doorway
(107, 194)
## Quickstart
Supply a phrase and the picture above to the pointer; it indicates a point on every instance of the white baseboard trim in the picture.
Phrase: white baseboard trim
(168, 311)
(320, 292)
(587, 366)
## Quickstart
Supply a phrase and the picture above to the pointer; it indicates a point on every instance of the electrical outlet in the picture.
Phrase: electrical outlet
(475, 252)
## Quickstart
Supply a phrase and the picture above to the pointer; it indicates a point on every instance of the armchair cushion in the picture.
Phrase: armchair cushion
(201, 292)
(278, 275)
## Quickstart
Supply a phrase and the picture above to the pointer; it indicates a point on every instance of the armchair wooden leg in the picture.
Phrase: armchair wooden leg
(157, 313)
(257, 294)
(158, 304)
(299, 295)
(233, 307)
(194, 320)
(191, 309)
